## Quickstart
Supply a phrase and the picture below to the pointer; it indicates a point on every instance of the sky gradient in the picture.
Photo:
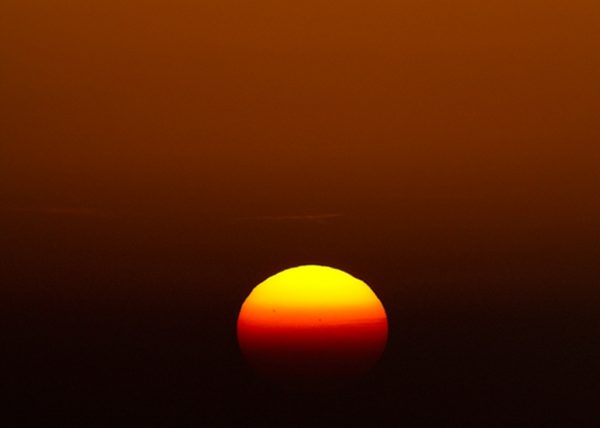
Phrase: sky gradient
(160, 159)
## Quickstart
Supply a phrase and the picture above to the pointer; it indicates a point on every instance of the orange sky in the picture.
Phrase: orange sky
(423, 118)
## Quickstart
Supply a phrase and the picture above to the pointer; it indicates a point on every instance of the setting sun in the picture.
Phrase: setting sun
(312, 322)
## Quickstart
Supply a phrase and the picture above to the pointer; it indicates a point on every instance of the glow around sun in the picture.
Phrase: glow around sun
(312, 322)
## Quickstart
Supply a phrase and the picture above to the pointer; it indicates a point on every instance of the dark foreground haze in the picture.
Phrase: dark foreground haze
(138, 327)
(159, 159)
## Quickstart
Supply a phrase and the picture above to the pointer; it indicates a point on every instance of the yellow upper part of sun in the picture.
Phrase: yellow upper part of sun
(312, 292)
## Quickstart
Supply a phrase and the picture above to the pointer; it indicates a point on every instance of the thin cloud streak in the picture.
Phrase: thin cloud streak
(58, 211)
(297, 218)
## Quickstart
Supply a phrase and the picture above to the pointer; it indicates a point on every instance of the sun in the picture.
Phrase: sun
(312, 323)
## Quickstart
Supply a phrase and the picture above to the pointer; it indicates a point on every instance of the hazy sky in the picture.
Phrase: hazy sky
(419, 119)
(160, 158)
